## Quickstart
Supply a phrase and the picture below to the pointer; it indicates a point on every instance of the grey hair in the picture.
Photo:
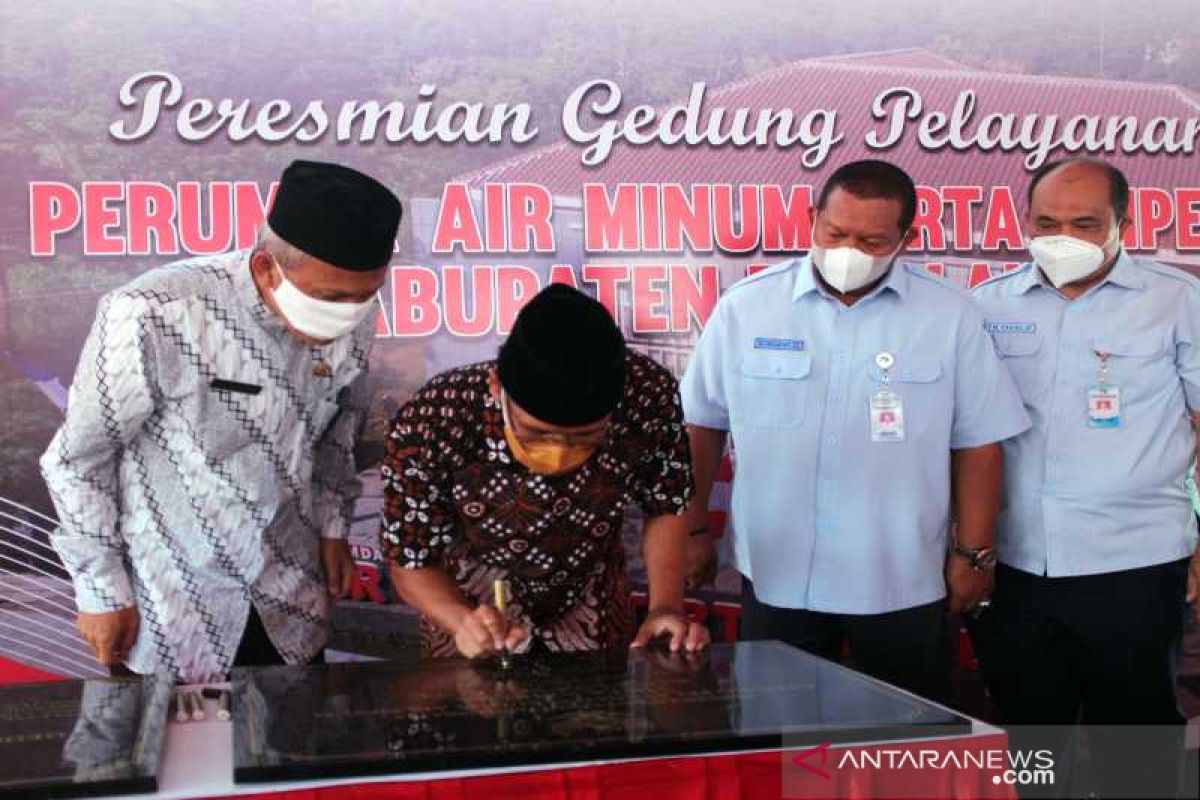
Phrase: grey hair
(288, 255)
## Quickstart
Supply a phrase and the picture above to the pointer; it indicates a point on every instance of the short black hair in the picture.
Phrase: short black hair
(1118, 184)
(874, 180)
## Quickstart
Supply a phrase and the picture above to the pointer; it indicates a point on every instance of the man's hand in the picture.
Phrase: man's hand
(111, 634)
(966, 585)
(485, 631)
(1193, 584)
(691, 636)
(700, 560)
(338, 565)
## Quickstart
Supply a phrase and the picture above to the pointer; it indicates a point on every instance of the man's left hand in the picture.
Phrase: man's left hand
(338, 565)
(690, 636)
(965, 585)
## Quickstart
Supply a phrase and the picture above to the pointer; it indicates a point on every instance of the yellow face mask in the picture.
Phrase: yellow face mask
(548, 457)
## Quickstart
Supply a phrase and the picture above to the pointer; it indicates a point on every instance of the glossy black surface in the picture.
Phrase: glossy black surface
(293, 723)
(74, 738)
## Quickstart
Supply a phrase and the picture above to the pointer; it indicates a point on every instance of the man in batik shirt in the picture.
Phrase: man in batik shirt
(204, 476)
(521, 469)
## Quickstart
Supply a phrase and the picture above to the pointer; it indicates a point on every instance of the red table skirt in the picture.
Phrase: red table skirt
(755, 776)
(14, 672)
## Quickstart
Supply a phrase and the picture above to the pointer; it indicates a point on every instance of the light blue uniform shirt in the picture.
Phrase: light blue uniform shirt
(823, 517)
(1082, 500)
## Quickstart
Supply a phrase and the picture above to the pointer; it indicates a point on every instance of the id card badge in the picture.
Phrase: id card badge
(1103, 399)
(887, 416)
(1104, 407)
(887, 409)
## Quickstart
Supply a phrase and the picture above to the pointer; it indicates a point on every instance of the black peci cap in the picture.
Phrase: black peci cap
(336, 214)
(564, 361)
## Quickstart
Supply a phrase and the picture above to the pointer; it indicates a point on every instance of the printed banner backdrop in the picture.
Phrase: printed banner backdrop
(650, 153)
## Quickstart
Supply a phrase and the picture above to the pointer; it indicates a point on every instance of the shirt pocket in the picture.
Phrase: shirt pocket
(235, 420)
(772, 389)
(223, 420)
(1020, 353)
(1139, 365)
(917, 379)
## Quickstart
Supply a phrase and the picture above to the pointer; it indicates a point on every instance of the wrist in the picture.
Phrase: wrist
(980, 557)
(696, 513)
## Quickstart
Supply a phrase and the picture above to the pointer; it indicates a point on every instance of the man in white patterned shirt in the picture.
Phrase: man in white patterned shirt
(204, 476)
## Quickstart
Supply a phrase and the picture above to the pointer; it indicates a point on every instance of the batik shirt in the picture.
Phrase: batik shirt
(458, 500)
(205, 451)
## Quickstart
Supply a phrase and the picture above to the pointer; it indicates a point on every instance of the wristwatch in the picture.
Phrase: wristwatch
(980, 558)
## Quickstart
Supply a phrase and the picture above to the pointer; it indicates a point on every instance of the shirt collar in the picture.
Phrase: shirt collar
(1124, 274)
(806, 281)
(1028, 279)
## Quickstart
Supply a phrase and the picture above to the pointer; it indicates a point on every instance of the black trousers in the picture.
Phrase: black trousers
(1097, 649)
(255, 649)
(905, 648)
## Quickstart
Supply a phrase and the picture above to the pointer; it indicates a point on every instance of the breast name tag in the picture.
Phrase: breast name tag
(887, 417)
(1104, 407)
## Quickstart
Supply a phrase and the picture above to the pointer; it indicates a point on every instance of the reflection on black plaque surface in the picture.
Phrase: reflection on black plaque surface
(449, 714)
(82, 737)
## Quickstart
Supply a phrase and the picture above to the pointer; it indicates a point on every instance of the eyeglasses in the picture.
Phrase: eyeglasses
(541, 437)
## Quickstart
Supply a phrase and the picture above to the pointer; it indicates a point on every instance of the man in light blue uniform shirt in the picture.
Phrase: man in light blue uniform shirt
(1097, 526)
(854, 387)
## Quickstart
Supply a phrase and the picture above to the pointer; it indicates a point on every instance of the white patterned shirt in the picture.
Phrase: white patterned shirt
(194, 500)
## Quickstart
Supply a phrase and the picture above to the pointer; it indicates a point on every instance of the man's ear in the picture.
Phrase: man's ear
(909, 237)
(1123, 228)
(262, 266)
(494, 384)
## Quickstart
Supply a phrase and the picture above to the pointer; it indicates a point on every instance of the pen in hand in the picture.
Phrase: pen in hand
(500, 590)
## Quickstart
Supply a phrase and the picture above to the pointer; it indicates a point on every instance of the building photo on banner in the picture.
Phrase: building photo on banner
(296, 467)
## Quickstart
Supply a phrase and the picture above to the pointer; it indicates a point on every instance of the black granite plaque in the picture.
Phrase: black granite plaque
(294, 723)
(75, 738)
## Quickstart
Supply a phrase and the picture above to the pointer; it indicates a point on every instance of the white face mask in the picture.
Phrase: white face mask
(320, 319)
(1065, 259)
(848, 268)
